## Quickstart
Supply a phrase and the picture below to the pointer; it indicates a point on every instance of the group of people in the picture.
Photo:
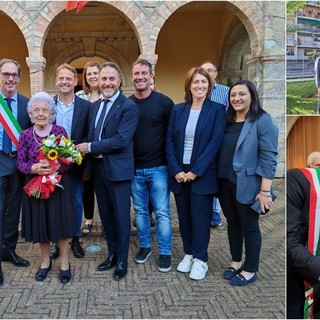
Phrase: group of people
(141, 147)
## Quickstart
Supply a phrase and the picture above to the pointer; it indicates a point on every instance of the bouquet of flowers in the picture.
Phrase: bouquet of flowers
(57, 150)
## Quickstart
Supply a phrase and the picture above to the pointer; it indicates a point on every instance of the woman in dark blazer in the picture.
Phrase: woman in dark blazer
(247, 165)
(194, 135)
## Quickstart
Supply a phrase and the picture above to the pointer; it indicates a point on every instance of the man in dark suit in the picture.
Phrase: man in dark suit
(113, 121)
(302, 264)
(11, 181)
(72, 114)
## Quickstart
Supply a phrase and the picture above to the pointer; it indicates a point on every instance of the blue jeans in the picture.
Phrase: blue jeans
(216, 218)
(152, 183)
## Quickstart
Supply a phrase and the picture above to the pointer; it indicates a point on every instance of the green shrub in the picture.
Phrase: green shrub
(302, 97)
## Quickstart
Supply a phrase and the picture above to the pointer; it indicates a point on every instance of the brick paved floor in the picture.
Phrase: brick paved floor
(145, 292)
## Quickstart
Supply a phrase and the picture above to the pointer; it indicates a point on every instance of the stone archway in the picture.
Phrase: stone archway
(103, 51)
(235, 47)
(52, 11)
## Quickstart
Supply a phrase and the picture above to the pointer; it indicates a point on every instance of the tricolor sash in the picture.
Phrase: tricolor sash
(313, 176)
(9, 122)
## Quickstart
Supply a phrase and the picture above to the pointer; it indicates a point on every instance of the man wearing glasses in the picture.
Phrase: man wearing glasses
(11, 181)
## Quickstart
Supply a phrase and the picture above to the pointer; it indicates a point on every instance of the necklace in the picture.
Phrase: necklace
(34, 135)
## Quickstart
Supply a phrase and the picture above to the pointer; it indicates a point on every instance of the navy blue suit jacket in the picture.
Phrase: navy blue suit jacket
(116, 144)
(80, 119)
(24, 121)
(208, 136)
(79, 126)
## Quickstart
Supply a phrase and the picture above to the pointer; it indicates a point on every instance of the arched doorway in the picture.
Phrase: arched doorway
(74, 38)
(196, 32)
(17, 51)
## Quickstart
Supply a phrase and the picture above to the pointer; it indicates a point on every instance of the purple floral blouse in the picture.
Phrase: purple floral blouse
(29, 148)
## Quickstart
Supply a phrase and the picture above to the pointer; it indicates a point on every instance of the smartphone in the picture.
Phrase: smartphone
(257, 208)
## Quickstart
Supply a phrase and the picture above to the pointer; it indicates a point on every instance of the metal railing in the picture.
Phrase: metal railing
(300, 68)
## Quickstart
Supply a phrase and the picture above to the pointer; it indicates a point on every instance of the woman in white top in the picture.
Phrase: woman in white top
(90, 85)
(91, 93)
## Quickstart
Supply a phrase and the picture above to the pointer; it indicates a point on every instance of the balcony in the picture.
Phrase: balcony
(313, 3)
(315, 43)
(311, 21)
(291, 43)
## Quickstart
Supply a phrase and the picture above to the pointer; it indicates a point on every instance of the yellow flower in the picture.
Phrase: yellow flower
(79, 160)
(52, 154)
(66, 140)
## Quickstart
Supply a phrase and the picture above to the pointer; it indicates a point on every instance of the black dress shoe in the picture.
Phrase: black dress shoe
(120, 271)
(55, 251)
(77, 250)
(65, 275)
(110, 262)
(43, 272)
(15, 259)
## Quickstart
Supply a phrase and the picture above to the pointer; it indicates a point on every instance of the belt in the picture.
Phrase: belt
(11, 154)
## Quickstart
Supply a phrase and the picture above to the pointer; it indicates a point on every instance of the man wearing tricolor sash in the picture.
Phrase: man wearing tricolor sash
(303, 231)
(13, 118)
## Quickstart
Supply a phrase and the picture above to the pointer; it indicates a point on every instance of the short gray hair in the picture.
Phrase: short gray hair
(43, 97)
(311, 158)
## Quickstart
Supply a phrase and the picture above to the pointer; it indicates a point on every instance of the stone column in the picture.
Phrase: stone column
(267, 72)
(36, 66)
(152, 58)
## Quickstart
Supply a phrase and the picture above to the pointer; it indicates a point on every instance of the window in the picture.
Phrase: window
(290, 52)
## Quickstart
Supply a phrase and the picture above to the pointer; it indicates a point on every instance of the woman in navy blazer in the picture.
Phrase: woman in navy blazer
(247, 165)
(195, 133)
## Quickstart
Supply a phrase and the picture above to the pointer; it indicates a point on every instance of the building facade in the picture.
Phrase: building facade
(246, 39)
(303, 40)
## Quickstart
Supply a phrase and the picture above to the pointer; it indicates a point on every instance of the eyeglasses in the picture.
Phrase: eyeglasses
(7, 75)
(211, 70)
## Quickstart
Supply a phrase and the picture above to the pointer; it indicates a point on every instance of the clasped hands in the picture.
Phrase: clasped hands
(43, 167)
(185, 177)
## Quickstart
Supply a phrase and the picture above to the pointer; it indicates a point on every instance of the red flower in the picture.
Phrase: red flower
(41, 155)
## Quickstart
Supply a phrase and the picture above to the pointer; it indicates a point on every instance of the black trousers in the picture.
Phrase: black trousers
(88, 198)
(243, 227)
(11, 184)
(194, 213)
(113, 199)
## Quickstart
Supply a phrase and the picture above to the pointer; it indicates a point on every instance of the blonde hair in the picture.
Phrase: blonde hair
(69, 67)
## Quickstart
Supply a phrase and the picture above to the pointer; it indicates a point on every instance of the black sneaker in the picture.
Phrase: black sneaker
(143, 255)
(164, 263)
(216, 225)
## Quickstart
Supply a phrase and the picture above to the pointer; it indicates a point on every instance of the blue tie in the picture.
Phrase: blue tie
(97, 130)
(6, 141)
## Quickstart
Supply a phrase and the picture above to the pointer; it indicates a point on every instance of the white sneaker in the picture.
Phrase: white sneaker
(185, 264)
(198, 270)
